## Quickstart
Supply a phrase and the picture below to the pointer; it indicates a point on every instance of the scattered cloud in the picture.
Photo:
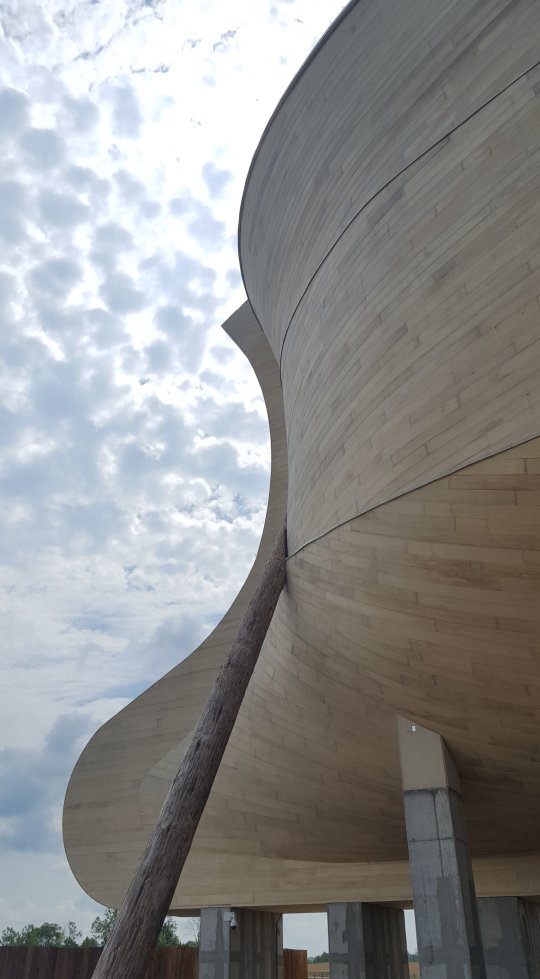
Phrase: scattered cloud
(120, 294)
(56, 277)
(31, 781)
(14, 111)
(127, 116)
(134, 459)
(15, 208)
(61, 210)
(216, 180)
(222, 44)
(43, 148)
(81, 114)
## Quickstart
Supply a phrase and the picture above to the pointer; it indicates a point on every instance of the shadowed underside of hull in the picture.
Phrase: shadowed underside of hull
(389, 245)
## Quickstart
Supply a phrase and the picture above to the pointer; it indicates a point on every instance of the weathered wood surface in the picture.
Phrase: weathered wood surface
(79, 963)
(150, 893)
(428, 604)
(388, 241)
(421, 327)
(389, 83)
(295, 964)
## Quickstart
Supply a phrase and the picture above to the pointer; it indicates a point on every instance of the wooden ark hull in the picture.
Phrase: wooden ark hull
(390, 248)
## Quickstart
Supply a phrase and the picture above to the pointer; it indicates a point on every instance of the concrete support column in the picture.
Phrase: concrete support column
(237, 943)
(510, 930)
(215, 943)
(447, 925)
(366, 941)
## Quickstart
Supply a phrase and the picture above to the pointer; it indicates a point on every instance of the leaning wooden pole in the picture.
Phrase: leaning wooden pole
(150, 893)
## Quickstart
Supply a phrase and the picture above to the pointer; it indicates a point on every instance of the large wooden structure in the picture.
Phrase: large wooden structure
(18, 962)
(390, 247)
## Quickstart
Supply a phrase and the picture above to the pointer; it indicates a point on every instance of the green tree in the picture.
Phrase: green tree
(195, 928)
(47, 935)
(52, 935)
(101, 928)
(72, 935)
(167, 935)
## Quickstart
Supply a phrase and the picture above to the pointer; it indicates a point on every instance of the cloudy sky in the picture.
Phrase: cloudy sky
(134, 458)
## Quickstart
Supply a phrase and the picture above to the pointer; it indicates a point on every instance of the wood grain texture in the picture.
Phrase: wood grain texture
(427, 605)
(386, 85)
(79, 963)
(416, 348)
(390, 246)
(137, 926)
(295, 964)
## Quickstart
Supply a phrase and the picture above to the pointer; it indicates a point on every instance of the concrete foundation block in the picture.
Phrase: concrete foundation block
(214, 945)
(366, 941)
(510, 930)
(237, 943)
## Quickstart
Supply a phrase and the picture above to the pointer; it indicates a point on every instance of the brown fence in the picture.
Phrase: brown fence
(318, 970)
(79, 963)
(294, 964)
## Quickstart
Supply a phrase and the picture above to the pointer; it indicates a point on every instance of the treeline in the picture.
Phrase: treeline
(51, 935)
(324, 957)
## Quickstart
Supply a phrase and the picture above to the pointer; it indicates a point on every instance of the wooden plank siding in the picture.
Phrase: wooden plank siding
(79, 963)
(386, 86)
(295, 963)
(390, 247)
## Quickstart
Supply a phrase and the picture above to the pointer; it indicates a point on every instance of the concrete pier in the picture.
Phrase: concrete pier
(366, 941)
(240, 944)
(447, 925)
(510, 930)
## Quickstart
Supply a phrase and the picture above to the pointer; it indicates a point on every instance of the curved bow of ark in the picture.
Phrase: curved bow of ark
(390, 252)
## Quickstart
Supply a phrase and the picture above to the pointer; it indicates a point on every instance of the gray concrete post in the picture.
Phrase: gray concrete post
(240, 944)
(214, 944)
(510, 930)
(366, 941)
(447, 926)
